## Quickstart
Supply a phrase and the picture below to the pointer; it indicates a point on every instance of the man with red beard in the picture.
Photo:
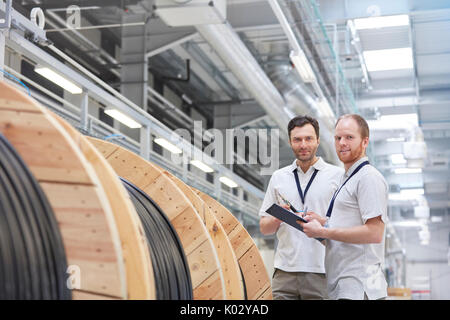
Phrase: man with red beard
(355, 225)
(309, 182)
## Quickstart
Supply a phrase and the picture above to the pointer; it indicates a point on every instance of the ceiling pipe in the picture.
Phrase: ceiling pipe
(244, 66)
(300, 99)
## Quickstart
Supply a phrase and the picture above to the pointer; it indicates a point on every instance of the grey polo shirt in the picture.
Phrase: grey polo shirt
(353, 269)
(295, 251)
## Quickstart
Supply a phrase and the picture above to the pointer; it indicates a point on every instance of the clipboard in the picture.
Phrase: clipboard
(288, 217)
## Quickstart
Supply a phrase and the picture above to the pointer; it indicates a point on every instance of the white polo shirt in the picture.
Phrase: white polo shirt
(295, 251)
(353, 269)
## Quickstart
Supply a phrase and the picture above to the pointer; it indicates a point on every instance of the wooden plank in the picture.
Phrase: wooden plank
(138, 268)
(197, 243)
(87, 237)
(133, 168)
(34, 134)
(211, 288)
(191, 235)
(266, 295)
(228, 221)
(13, 99)
(14, 103)
(255, 273)
(83, 295)
(173, 201)
(107, 150)
(241, 240)
(201, 264)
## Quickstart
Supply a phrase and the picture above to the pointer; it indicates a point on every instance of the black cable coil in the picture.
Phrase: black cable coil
(32, 258)
(170, 267)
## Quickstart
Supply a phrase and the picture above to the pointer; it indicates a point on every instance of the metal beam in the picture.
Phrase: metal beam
(170, 44)
(56, 4)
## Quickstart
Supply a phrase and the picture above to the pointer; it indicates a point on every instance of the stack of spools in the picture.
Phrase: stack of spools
(87, 219)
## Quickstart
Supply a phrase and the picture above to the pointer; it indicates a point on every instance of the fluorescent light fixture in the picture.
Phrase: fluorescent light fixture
(406, 194)
(398, 158)
(401, 139)
(407, 170)
(388, 59)
(436, 219)
(201, 166)
(408, 223)
(325, 107)
(58, 79)
(412, 192)
(395, 119)
(381, 22)
(228, 182)
(167, 145)
(123, 118)
(302, 65)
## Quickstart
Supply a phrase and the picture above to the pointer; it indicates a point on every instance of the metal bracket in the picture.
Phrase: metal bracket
(6, 23)
(14, 19)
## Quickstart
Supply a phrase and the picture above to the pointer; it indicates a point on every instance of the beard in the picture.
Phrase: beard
(352, 155)
(308, 156)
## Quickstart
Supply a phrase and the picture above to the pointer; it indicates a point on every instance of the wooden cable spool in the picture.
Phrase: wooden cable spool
(206, 274)
(73, 176)
(228, 261)
(257, 280)
(140, 280)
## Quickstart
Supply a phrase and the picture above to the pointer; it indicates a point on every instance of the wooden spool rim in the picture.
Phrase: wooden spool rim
(257, 280)
(139, 272)
(204, 265)
(60, 167)
(228, 261)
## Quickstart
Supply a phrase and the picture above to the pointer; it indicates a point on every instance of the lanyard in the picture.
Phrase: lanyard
(299, 188)
(330, 208)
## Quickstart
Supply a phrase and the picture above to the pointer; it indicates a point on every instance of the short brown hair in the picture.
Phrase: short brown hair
(300, 121)
(362, 123)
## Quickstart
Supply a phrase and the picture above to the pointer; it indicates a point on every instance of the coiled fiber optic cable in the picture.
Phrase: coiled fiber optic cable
(32, 258)
(170, 267)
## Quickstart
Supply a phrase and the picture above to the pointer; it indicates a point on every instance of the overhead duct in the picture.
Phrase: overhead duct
(300, 99)
(244, 66)
(233, 52)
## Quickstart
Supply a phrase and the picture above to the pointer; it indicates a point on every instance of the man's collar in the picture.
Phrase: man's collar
(319, 164)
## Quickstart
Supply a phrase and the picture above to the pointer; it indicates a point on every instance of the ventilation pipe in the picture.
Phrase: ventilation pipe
(244, 66)
(300, 99)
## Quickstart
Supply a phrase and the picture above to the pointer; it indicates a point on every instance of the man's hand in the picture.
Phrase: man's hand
(310, 216)
(269, 225)
(312, 229)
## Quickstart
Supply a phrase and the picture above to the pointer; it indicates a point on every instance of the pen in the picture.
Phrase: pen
(287, 203)
(305, 210)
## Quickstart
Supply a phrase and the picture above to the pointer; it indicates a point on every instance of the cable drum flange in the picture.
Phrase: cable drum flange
(170, 266)
(33, 262)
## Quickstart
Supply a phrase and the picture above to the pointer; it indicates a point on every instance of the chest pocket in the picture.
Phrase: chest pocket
(346, 209)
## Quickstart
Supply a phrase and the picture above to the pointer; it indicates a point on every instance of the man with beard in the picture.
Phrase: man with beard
(354, 230)
(309, 182)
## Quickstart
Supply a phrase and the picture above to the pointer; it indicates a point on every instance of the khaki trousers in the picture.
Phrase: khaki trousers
(298, 285)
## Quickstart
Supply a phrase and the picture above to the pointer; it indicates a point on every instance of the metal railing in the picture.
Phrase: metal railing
(99, 129)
